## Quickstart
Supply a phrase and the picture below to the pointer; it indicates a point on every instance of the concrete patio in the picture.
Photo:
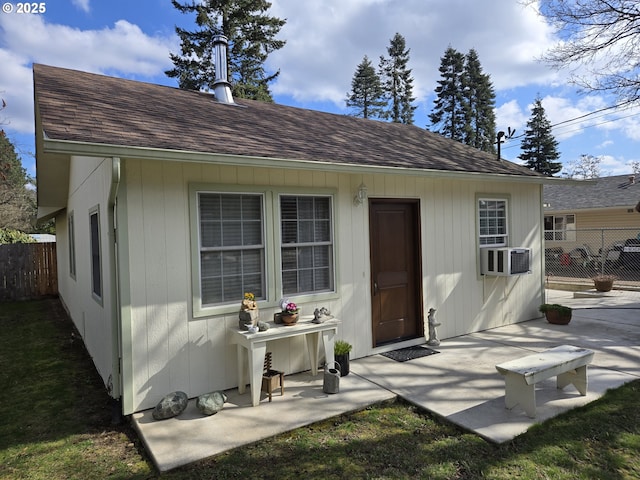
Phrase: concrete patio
(459, 384)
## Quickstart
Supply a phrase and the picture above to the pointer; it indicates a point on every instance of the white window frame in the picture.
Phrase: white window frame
(567, 232)
(237, 249)
(272, 242)
(95, 255)
(492, 235)
(304, 245)
(71, 231)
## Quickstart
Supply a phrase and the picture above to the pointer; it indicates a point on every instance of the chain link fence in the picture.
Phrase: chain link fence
(576, 255)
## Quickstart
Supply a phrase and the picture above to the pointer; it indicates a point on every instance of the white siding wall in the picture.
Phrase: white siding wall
(89, 184)
(171, 350)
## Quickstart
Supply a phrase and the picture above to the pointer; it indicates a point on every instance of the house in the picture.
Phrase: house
(593, 220)
(169, 204)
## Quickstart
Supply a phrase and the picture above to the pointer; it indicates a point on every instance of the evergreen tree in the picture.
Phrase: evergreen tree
(251, 34)
(480, 125)
(397, 82)
(17, 202)
(539, 147)
(450, 106)
(367, 94)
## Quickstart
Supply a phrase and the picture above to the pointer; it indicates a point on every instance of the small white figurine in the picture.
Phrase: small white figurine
(433, 335)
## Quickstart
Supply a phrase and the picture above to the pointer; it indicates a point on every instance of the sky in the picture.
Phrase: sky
(325, 42)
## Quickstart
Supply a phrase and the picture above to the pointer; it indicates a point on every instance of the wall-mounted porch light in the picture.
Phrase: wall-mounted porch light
(361, 195)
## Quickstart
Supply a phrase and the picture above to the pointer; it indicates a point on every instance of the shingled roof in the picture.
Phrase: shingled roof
(604, 192)
(95, 109)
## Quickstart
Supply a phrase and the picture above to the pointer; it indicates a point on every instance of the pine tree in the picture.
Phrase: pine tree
(450, 107)
(480, 125)
(539, 147)
(367, 94)
(251, 34)
(17, 202)
(397, 82)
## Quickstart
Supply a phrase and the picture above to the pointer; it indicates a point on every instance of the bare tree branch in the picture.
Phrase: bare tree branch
(600, 43)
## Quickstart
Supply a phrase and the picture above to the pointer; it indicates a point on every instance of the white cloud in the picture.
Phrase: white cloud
(326, 40)
(82, 5)
(122, 49)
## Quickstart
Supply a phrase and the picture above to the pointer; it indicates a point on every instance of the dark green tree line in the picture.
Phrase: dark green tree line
(17, 201)
(465, 101)
(387, 93)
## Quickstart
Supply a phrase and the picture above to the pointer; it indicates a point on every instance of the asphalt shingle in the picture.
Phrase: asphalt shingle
(85, 107)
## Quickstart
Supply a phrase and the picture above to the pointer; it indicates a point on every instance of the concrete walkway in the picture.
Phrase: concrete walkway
(460, 384)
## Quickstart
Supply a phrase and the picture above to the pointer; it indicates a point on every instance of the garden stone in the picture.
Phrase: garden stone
(211, 403)
(171, 405)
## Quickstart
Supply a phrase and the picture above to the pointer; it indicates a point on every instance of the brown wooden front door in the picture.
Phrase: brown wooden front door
(395, 270)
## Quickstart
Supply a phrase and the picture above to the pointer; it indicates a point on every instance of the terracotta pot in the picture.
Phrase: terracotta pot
(555, 317)
(289, 318)
(603, 285)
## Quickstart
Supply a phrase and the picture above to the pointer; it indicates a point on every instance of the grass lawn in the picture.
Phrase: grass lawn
(55, 423)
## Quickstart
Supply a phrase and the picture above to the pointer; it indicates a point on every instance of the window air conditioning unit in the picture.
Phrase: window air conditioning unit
(505, 261)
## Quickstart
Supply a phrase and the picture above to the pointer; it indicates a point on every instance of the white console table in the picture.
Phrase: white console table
(255, 345)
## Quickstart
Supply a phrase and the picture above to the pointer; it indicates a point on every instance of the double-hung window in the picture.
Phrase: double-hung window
(272, 244)
(560, 227)
(492, 222)
(232, 250)
(307, 244)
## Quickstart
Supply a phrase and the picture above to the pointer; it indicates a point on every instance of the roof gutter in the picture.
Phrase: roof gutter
(68, 147)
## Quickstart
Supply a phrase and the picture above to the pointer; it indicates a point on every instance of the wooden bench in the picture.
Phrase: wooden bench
(566, 362)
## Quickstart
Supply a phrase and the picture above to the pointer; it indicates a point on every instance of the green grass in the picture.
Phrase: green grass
(55, 424)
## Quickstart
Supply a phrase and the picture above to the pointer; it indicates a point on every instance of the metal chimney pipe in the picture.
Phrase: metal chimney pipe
(221, 86)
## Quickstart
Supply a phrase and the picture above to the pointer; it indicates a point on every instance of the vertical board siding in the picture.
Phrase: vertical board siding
(171, 350)
(28, 271)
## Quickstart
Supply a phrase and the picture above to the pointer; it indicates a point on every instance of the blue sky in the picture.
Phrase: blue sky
(326, 40)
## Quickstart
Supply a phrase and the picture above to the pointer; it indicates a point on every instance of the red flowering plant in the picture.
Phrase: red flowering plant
(291, 308)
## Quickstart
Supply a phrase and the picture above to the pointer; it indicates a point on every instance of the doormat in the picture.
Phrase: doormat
(409, 353)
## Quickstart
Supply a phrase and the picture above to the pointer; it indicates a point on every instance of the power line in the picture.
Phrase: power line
(582, 117)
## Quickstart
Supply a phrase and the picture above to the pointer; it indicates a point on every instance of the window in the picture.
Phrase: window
(232, 251)
(72, 245)
(273, 244)
(492, 222)
(96, 268)
(307, 244)
(560, 227)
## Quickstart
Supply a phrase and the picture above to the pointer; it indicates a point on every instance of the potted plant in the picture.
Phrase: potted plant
(603, 283)
(341, 351)
(289, 314)
(556, 314)
(249, 313)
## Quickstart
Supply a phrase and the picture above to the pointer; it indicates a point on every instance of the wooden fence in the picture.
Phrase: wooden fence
(28, 270)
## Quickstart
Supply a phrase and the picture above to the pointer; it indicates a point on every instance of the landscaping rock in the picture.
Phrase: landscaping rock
(211, 403)
(171, 405)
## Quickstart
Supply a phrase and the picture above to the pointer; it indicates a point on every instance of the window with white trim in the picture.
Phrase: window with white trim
(267, 242)
(307, 244)
(232, 250)
(492, 222)
(72, 245)
(96, 252)
(560, 227)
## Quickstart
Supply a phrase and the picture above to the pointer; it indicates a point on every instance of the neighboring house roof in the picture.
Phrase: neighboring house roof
(604, 192)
